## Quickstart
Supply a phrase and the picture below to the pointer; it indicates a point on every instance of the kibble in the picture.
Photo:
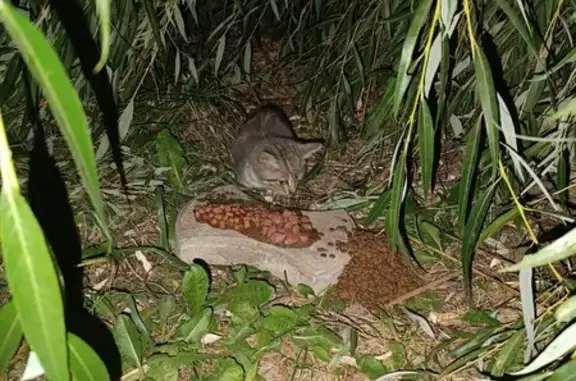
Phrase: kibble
(285, 228)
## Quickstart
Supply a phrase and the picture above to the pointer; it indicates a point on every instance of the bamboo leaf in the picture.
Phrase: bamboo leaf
(124, 123)
(471, 233)
(103, 11)
(469, 169)
(10, 332)
(487, 95)
(378, 208)
(153, 21)
(498, 224)
(84, 362)
(403, 78)
(426, 146)
(520, 26)
(171, 156)
(48, 71)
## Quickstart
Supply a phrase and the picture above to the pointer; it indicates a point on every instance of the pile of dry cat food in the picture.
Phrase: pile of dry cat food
(284, 228)
(375, 275)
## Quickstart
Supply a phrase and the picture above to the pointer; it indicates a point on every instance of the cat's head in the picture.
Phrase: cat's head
(281, 167)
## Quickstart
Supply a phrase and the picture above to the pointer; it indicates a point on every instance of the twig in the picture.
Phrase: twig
(421, 289)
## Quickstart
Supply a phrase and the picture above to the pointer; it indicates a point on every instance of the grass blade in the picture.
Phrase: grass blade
(31, 273)
(49, 73)
(418, 20)
(426, 146)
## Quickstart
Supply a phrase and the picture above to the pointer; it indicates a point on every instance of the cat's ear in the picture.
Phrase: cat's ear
(309, 149)
(268, 159)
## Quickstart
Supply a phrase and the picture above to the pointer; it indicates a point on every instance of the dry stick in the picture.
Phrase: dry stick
(421, 289)
(479, 272)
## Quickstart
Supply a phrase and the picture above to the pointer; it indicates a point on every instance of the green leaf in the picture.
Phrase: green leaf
(489, 103)
(195, 285)
(396, 200)
(31, 274)
(566, 109)
(195, 328)
(304, 290)
(84, 362)
(317, 335)
(510, 352)
(103, 10)
(219, 53)
(379, 206)
(469, 168)
(281, 319)
(568, 58)
(129, 342)
(163, 367)
(558, 250)
(255, 292)
(471, 233)
(567, 372)
(498, 224)
(48, 71)
(565, 312)
(426, 146)
(153, 21)
(403, 78)
(171, 155)
(11, 334)
(228, 369)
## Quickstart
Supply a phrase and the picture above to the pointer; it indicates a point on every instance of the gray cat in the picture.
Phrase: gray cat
(268, 156)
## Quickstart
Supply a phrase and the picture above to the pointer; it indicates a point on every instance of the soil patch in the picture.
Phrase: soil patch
(375, 275)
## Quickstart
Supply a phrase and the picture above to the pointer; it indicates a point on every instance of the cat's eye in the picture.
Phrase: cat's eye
(282, 182)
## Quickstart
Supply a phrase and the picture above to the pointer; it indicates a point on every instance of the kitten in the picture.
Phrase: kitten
(267, 154)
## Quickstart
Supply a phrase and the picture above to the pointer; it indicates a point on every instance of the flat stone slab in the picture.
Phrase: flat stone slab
(317, 266)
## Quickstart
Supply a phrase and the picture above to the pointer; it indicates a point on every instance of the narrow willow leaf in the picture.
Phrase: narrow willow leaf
(11, 77)
(558, 250)
(11, 334)
(568, 58)
(85, 364)
(177, 66)
(403, 78)
(509, 132)
(180, 23)
(471, 233)
(565, 313)
(563, 173)
(32, 276)
(528, 311)
(396, 199)
(433, 64)
(508, 354)
(128, 341)
(520, 26)
(557, 349)
(275, 9)
(219, 53)
(447, 11)
(359, 66)
(47, 69)
(103, 11)
(379, 207)
(487, 95)
(153, 21)
(195, 286)
(192, 68)
(247, 61)
(469, 169)
(498, 224)
(124, 123)
(426, 146)
(456, 124)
